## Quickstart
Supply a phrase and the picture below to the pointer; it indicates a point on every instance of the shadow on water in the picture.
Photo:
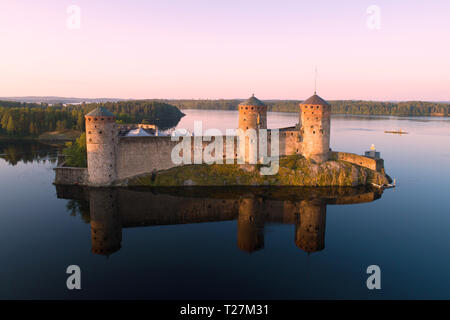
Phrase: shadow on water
(110, 210)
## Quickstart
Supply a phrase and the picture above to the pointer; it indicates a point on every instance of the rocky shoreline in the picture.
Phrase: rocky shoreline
(293, 171)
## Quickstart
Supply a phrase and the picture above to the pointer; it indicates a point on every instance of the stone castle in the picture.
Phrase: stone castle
(113, 156)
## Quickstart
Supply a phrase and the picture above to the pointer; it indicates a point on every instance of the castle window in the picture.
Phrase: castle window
(252, 108)
(246, 108)
(317, 107)
(100, 132)
(312, 127)
(89, 132)
(89, 119)
(95, 119)
(103, 119)
(90, 140)
(312, 112)
(314, 132)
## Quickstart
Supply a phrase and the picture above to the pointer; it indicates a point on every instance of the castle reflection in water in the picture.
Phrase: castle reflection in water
(111, 210)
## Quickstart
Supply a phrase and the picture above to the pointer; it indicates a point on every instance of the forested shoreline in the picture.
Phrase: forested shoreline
(31, 120)
(409, 108)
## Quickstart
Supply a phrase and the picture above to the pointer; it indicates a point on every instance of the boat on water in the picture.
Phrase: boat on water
(396, 131)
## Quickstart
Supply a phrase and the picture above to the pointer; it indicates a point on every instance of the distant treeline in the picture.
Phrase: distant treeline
(31, 119)
(410, 108)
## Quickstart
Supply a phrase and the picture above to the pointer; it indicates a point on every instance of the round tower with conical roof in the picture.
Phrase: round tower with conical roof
(101, 138)
(252, 114)
(315, 115)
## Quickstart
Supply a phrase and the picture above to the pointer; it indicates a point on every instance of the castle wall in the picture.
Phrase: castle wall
(70, 176)
(372, 164)
(139, 155)
(290, 142)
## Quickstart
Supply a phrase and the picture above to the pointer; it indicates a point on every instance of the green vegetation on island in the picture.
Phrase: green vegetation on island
(75, 152)
(31, 120)
(294, 171)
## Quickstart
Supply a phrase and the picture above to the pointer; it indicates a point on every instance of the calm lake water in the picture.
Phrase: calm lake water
(240, 243)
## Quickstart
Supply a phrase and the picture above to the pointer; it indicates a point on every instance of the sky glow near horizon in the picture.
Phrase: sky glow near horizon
(226, 49)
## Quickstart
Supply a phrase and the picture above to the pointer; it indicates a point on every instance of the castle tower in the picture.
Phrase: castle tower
(310, 227)
(101, 139)
(106, 226)
(252, 116)
(315, 123)
(250, 235)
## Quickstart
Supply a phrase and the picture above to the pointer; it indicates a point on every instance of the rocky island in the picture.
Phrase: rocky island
(294, 171)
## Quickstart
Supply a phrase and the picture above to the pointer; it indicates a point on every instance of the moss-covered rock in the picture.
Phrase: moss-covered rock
(293, 171)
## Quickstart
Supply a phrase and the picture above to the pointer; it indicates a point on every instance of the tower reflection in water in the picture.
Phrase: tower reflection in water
(111, 210)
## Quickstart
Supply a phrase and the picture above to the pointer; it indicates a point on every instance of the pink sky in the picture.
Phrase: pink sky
(226, 49)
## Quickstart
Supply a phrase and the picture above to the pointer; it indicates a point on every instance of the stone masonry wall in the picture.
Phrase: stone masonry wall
(139, 155)
(373, 164)
(70, 176)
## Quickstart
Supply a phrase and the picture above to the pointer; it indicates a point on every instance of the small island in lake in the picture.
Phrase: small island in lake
(303, 154)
